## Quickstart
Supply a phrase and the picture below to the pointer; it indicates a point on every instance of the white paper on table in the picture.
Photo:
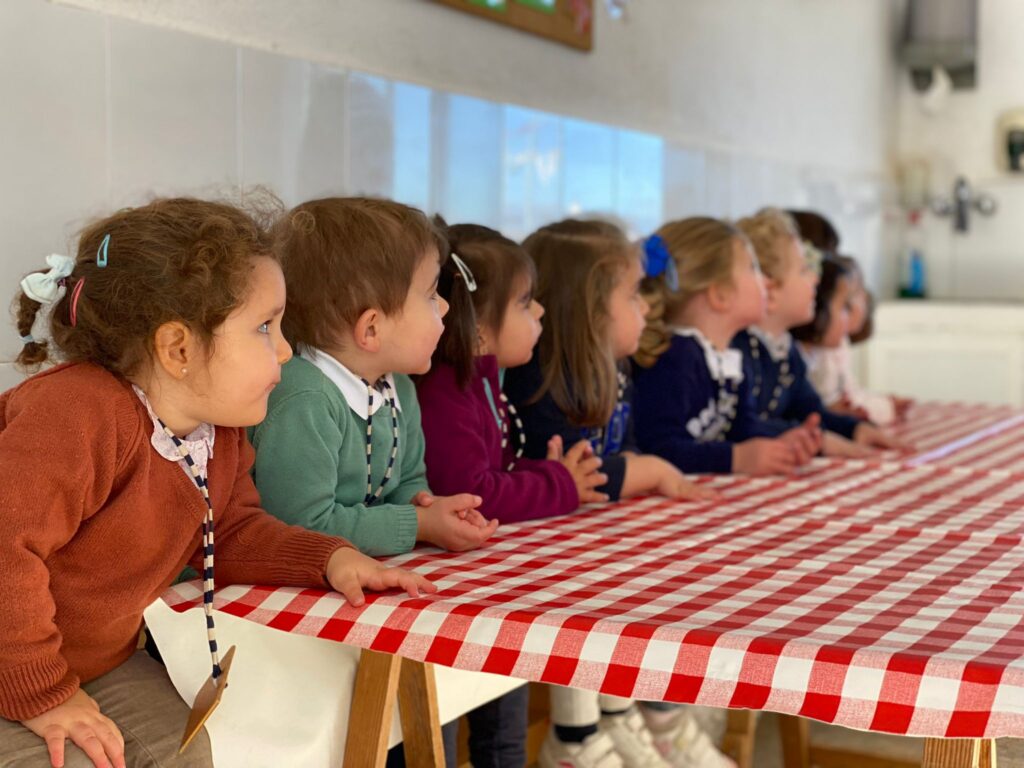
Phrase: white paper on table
(289, 696)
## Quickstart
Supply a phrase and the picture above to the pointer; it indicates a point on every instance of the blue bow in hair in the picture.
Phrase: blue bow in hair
(658, 261)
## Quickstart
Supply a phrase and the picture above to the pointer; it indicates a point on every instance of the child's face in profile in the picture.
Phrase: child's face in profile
(247, 354)
(627, 310)
(520, 328)
(791, 296)
(858, 304)
(409, 337)
(839, 314)
(749, 299)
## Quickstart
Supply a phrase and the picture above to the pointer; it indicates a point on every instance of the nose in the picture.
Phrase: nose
(645, 306)
(284, 351)
(443, 305)
(538, 310)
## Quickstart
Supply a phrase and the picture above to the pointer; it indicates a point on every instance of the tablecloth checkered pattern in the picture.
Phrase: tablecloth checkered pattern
(884, 596)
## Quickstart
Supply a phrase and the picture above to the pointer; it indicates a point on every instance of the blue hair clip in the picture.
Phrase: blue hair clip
(658, 261)
(101, 253)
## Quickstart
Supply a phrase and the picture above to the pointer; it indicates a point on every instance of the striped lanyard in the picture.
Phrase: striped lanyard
(373, 495)
(610, 437)
(201, 484)
(503, 419)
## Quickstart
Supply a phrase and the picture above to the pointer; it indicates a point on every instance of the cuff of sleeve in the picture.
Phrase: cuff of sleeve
(615, 468)
(302, 560)
(406, 527)
(37, 686)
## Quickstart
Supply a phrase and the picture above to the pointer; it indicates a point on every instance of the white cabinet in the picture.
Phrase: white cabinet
(948, 351)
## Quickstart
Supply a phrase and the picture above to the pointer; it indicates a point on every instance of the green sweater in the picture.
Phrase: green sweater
(310, 465)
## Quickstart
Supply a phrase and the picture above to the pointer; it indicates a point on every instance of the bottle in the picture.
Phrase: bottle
(913, 284)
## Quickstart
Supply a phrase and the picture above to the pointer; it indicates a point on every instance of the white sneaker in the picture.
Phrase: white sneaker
(596, 751)
(684, 744)
(632, 740)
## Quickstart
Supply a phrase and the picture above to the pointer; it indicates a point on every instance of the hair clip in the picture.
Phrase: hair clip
(101, 252)
(658, 261)
(464, 271)
(75, 293)
(28, 338)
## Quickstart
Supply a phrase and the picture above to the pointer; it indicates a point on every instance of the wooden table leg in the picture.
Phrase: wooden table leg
(959, 753)
(421, 725)
(373, 704)
(796, 741)
(738, 741)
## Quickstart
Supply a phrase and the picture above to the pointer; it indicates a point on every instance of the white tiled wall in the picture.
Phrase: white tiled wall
(104, 112)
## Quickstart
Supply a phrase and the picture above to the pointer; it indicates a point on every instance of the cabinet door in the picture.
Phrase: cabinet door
(948, 366)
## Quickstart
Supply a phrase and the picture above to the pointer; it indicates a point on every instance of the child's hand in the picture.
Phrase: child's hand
(867, 433)
(349, 571)
(583, 465)
(837, 445)
(901, 406)
(763, 456)
(805, 440)
(79, 719)
(673, 484)
(844, 405)
(652, 474)
(454, 522)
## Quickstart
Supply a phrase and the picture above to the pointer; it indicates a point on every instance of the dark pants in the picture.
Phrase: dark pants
(497, 734)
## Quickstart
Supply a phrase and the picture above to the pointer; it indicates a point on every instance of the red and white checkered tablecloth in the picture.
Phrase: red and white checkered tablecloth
(877, 596)
(965, 435)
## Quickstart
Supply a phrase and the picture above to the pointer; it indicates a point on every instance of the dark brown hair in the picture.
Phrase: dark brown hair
(499, 267)
(344, 255)
(578, 266)
(817, 230)
(175, 259)
(868, 329)
(833, 269)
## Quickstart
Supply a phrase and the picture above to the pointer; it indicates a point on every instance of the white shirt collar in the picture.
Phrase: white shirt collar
(724, 364)
(778, 346)
(199, 442)
(351, 386)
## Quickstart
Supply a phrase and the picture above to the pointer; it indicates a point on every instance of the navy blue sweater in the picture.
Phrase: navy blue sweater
(544, 419)
(684, 414)
(797, 397)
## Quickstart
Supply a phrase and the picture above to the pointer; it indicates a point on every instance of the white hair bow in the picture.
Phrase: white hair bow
(46, 287)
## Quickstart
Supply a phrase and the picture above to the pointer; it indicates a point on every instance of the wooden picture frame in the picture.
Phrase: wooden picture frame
(570, 22)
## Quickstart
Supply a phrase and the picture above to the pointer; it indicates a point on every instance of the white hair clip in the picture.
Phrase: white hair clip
(464, 271)
(47, 287)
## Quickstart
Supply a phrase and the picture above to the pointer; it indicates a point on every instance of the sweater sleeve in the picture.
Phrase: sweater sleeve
(458, 462)
(253, 547)
(298, 450)
(49, 440)
(664, 404)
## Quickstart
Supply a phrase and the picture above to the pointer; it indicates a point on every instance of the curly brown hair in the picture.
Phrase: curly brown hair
(176, 259)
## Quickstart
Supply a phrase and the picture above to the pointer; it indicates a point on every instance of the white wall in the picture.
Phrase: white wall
(987, 262)
(738, 104)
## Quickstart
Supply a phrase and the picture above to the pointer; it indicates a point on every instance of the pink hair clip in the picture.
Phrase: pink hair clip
(75, 293)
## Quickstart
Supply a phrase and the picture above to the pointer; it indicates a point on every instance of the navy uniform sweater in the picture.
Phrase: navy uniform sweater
(693, 404)
(783, 402)
(544, 419)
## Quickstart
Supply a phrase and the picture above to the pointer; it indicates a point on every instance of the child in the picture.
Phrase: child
(472, 437)
(832, 372)
(341, 449)
(573, 388)
(169, 325)
(782, 392)
(693, 403)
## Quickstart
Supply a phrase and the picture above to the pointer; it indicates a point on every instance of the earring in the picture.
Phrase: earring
(184, 371)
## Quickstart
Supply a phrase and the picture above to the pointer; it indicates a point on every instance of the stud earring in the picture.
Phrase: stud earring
(184, 371)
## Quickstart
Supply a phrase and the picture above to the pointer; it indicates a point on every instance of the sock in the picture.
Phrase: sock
(574, 734)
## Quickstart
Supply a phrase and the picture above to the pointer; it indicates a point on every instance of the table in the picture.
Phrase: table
(884, 595)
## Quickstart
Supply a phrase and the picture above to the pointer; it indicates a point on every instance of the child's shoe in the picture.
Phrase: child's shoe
(596, 751)
(682, 742)
(633, 741)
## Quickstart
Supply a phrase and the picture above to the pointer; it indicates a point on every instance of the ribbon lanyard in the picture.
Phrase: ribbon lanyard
(201, 484)
(373, 495)
(510, 415)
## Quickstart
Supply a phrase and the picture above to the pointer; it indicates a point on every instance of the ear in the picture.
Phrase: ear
(484, 341)
(720, 296)
(771, 287)
(176, 348)
(367, 331)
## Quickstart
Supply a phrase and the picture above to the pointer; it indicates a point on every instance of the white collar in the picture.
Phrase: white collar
(351, 386)
(199, 441)
(724, 364)
(778, 346)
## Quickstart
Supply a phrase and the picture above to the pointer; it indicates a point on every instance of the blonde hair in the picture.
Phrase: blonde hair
(578, 265)
(767, 229)
(702, 249)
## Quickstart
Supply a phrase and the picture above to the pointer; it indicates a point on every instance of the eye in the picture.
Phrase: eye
(264, 327)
